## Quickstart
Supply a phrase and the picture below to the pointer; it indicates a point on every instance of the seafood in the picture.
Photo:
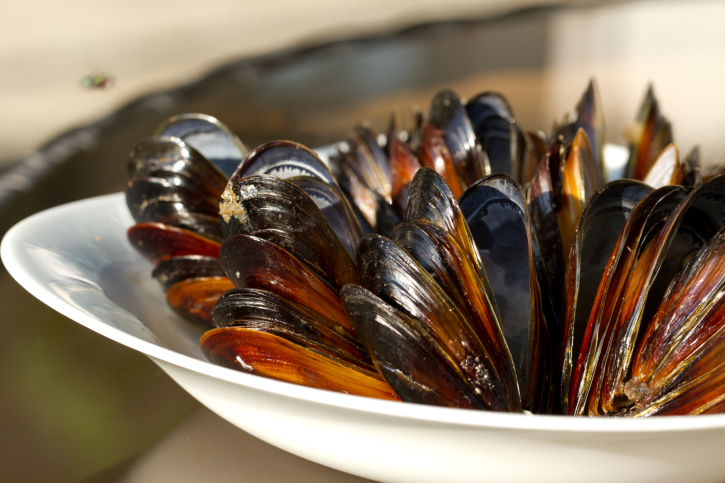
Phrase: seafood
(173, 194)
(466, 262)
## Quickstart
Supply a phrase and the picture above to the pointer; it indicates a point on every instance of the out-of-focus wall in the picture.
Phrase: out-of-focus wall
(47, 47)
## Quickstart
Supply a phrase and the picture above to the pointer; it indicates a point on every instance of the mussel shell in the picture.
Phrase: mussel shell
(403, 166)
(266, 310)
(391, 274)
(367, 133)
(543, 197)
(403, 356)
(496, 213)
(364, 200)
(158, 242)
(276, 210)
(151, 198)
(589, 116)
(448, 114)
(442, 258)
(667, 169)
(579, 181)
(283, 159)
(495, 127)
(162, 156)
(337, 210)
(598, 233)
(435, 154)
(211, 138)
(173, 270)
(652, 134)
(430, 198)
(685, 326)
(252, 262)
(662, 253)
(631, 297)
(269, 355)
(362, 149)
(194, 298)
(205, 225)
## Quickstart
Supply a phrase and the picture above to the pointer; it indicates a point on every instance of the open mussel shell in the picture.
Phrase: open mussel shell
(194, 298)
(667, 169)
(283, 159)
(446, 263)
(168, 178)
(206, 225)
(262, 309)
(173, 270)
(588, 115)
(363, 143)
(430, 199)
(681, 351)
(290, 359)
(151, 198)
(493, 122)
(215, 141)
(563, 183)
(650, 133)
(599, 231)
(413, 365)
(337, 210)
(371, 209)
(159, 156)
(579, 180)
(252, 262)
(435, 154)
(676, 227)
(157, 242)
(448, 114)
(390, 273)
(497, 215)
(403, 166)
(695, 221)
(275, 209)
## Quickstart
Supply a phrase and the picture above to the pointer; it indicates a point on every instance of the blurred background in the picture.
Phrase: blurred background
(77, 407)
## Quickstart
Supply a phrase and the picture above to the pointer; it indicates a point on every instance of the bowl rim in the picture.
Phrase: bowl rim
(14, 243)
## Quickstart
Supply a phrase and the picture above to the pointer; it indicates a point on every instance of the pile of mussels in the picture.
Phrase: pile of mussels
(458, 261)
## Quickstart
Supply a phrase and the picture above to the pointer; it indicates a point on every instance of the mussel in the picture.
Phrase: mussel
(173, 194)
(465, 262)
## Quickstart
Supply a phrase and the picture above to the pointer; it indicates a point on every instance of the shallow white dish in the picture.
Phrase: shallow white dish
(76, 259)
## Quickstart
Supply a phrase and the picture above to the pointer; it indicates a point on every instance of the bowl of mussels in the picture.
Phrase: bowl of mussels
(458, 299)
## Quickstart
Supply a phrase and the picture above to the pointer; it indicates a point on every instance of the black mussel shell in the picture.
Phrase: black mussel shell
(405, 357)
(448, 114)
(207, 135)
(497, 215)
(494, 124)
(252, 262)
(391, 274)
(254, 308)
(598, 233)
(337, 210)
(276, 210)
(174, 270)
(283, 159)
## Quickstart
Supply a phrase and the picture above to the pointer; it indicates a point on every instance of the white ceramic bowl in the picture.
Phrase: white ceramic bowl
(76, 259)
